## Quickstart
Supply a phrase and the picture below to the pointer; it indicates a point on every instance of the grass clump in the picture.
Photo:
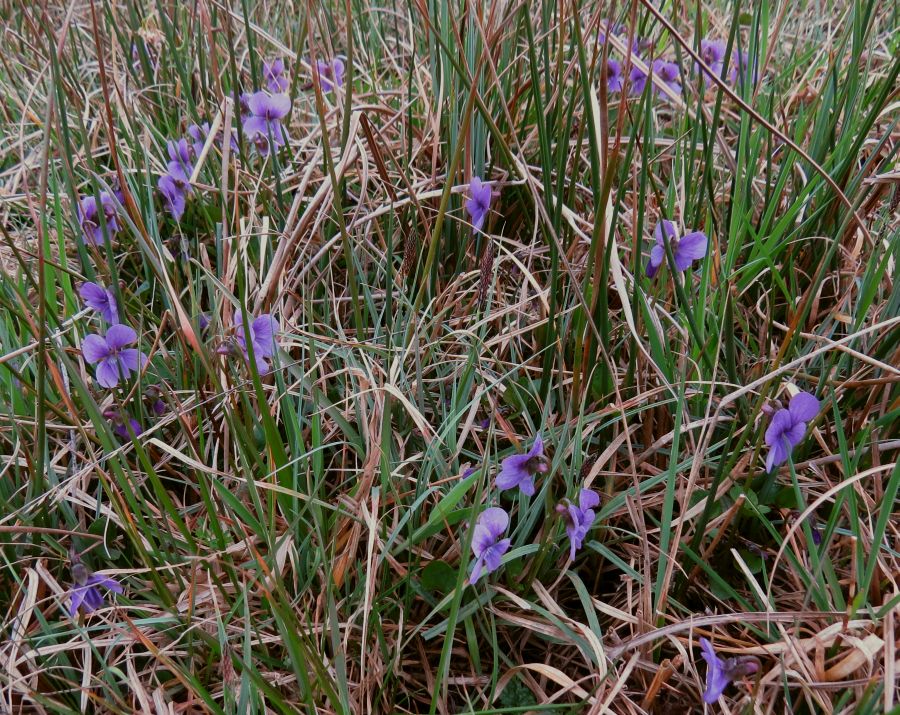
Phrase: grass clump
(449, 357)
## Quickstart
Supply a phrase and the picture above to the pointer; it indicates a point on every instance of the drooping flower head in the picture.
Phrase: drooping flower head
(153, 395)
(579, 518)
(264, 124)
(478, 205)
(109, 353)
(487, 545)
(518, 470)
(788, 427)
(86, 593)
(722, 671)
(121, 422)
(100, 299)
(712, 52)
(89, 219)
(614, 78)
(274, 76)
(331, 74)
(686, 250)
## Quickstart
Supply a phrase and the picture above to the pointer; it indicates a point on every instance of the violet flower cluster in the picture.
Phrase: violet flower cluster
(712, 53)
(668, 72)
(519, 471)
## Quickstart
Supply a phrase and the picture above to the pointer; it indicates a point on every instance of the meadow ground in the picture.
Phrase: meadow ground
(490, 357)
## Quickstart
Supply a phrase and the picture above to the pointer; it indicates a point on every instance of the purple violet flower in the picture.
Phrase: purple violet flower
(100, 299)
(198, 134)
(722, 671)
(478, 205)
(273, 74)
(712, 52)
(740, 68)
(114, 361)
(86, 593)
(487, 545)
(89, 219)
(579, 518)
(120, 423)
(180, 165)
(175, 184)
(669, 73)
(262, 338)
(614, 78)
(331, 74)
(638, 80)
(688, 249)
(267, 111)
(518, 470)
(788, 427)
